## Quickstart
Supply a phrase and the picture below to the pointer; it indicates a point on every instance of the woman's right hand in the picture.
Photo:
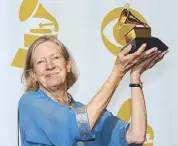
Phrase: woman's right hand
(125, 61)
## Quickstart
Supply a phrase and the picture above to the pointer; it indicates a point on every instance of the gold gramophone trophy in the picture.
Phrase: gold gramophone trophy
(140, 32)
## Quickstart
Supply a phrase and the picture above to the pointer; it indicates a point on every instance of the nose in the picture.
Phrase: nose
(49, 65)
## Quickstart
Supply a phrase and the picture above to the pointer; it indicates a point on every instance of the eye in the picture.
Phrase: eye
(40, 62)
(57, 57)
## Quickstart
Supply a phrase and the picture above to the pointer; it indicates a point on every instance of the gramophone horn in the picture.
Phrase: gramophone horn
(126, 17)
(25, 13)
(28, 8)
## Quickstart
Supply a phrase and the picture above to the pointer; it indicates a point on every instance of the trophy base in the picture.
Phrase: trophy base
(151, 42)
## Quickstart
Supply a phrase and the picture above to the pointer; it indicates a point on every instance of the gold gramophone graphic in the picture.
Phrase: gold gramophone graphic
(139, 33)
(124, 113)
(34, 9)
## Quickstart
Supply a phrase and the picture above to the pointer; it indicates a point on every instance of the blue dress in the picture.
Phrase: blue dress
(44, 122)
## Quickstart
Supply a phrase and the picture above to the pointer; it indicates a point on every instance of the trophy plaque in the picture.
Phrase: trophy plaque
(139, 34)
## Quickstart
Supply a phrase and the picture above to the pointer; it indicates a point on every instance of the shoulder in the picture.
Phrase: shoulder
(29, 97)
(35, 100)
(39, 102)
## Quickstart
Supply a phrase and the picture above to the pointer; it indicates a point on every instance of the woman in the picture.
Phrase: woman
(48, 114)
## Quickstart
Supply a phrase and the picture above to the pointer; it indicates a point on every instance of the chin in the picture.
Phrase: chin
(55, 83)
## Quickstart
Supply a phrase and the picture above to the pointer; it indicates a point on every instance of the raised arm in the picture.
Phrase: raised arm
(137, 129)
(99, 102)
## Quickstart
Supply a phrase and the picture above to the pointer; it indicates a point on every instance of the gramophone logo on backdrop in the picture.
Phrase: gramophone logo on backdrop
(32, 9)
(119, 31)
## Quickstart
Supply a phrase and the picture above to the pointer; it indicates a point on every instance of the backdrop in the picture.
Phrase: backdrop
(89, 29)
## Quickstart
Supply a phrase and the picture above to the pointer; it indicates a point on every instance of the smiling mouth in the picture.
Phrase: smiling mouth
(52, 74)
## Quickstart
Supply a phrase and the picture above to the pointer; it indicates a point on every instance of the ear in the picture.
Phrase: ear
(33, 75)
(69, 65)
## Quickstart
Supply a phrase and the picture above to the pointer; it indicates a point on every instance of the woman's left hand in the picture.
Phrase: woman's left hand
(148, 60)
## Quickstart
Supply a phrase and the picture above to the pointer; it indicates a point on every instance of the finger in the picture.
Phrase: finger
(152, 50)
(148, 55)
(141, 49)
(138, 52)
(126, 50)
(137, 60)
(158, 58)
(144, 58)
(155, 62)
(153, 57)
(149, 59)
(130, 66)
(165, 52)
(162, 54)
(151, 65)
(133, 60)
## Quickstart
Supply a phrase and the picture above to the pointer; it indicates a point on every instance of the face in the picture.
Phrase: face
(49, 65)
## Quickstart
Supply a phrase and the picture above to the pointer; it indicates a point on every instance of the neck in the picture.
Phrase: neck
(58, 92)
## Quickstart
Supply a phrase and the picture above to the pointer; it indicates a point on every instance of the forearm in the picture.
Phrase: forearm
(138, 124)
(100, 101)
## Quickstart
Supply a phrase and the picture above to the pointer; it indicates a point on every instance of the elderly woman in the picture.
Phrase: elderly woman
(49, 115)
